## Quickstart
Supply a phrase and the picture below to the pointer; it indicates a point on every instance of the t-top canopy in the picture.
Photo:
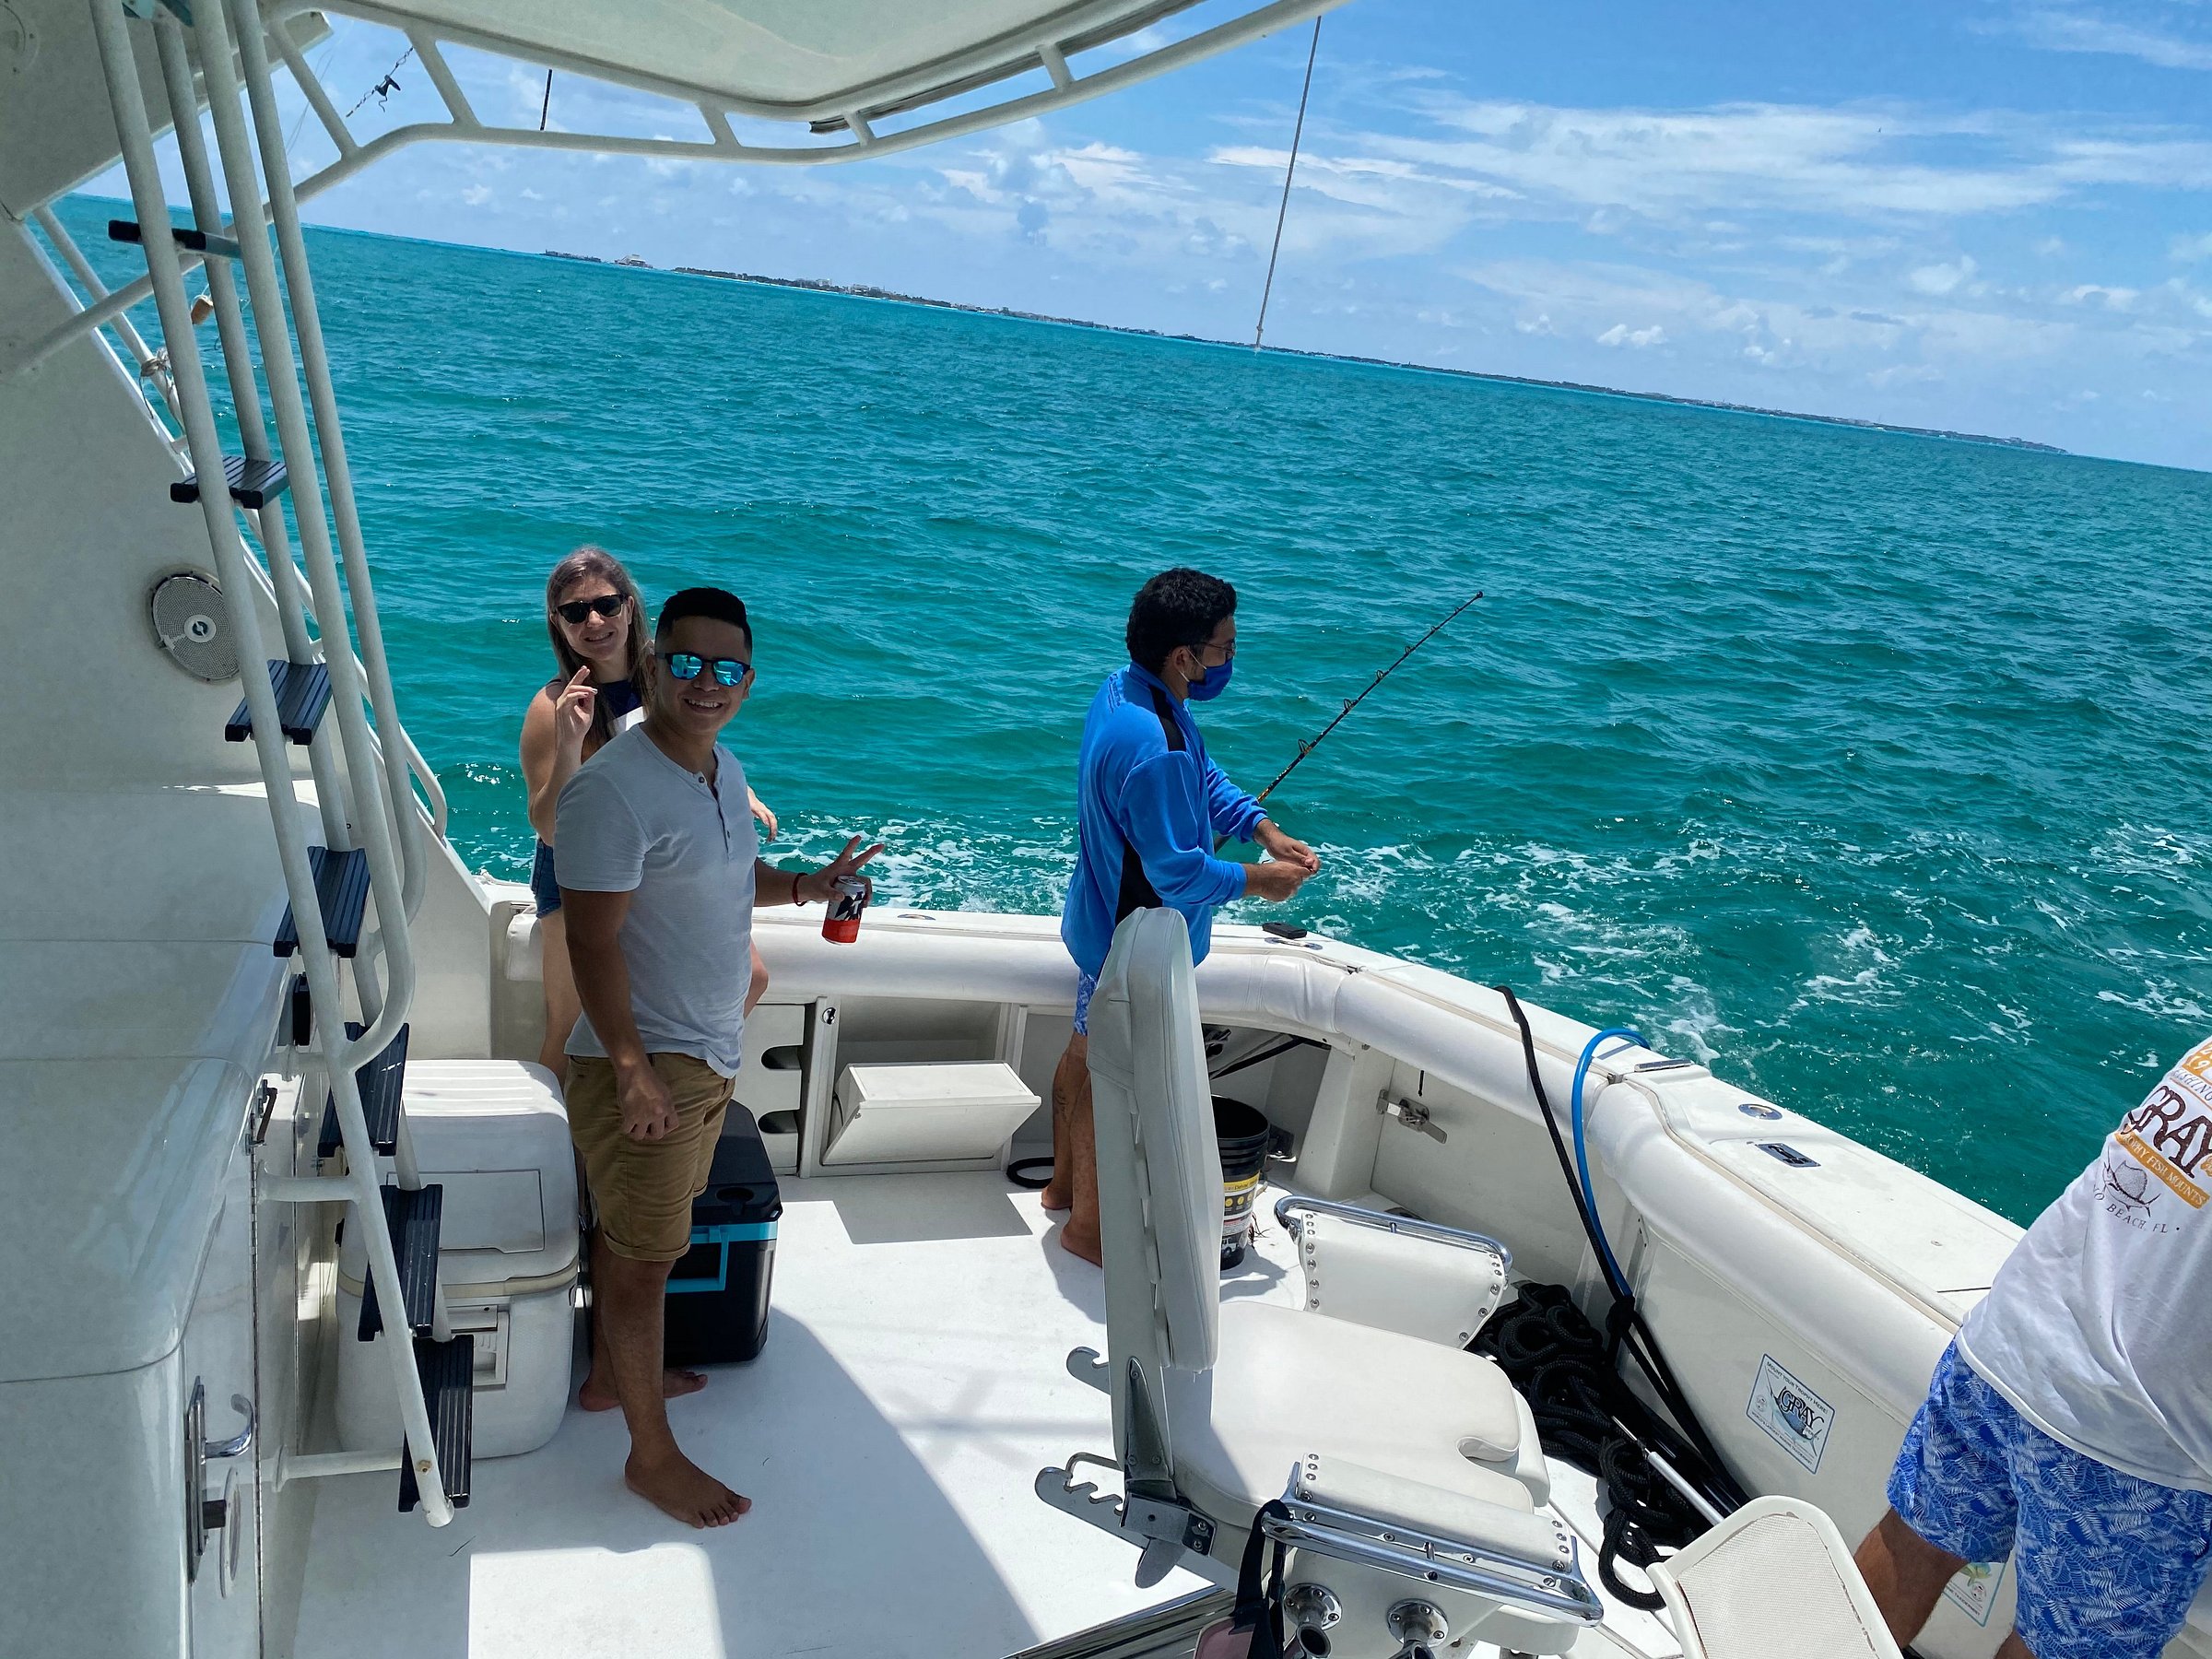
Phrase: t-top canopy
(817, 61)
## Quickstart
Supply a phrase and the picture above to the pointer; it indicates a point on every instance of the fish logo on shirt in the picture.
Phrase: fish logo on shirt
(2128, 1185)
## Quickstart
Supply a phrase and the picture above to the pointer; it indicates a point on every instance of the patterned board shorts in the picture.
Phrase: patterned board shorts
(1085, 984)
(2107, 1564)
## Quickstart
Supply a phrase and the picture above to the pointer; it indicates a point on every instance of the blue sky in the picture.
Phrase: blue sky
(1994, 216)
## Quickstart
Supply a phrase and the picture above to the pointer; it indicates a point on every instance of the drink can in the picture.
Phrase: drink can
(842, 924)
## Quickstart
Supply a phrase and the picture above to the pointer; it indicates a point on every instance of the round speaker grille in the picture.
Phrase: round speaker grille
(193, 627)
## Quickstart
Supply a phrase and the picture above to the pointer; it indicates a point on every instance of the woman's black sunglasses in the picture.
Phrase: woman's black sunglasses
(607, 604)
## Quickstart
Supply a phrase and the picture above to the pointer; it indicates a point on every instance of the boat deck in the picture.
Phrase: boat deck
(912, 1387)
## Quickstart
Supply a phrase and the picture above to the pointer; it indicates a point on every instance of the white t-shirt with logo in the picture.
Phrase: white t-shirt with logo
(2099, 1327)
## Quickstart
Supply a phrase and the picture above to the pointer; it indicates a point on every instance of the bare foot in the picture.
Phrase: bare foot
(1084, 1244)
(1055, 1194)
(595, 1395)
(680, 1487)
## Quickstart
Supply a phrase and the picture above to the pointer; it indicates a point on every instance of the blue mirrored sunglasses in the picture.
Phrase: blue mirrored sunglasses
(688, 664)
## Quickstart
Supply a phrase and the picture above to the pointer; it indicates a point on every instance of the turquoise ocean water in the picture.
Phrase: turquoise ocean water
(1869, 768)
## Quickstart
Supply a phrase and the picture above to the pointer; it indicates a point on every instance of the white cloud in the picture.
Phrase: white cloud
(1734, 158)
(1941, 278)
(1638, 339)
(2188, 248)
(476, 195)
(2057, 28)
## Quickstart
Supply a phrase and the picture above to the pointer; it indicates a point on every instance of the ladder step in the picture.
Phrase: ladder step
(412, 1219)
(254, 482)
(341, 893)
(300, 1011)
(379, 1083)
(447, 1373)
(302, 693)
(199, 242)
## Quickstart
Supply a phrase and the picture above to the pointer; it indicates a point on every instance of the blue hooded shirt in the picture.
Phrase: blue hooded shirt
(1141, 794)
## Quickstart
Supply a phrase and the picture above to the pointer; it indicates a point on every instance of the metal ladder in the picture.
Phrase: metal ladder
(372, 826)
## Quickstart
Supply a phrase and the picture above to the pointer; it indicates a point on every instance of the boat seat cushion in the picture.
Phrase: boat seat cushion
(1287, 1383)
(1776, 1577)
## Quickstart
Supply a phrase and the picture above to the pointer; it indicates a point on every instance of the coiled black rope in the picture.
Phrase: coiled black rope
(1556, 1360)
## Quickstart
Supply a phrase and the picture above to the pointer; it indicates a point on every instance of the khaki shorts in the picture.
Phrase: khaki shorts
(642, 1189)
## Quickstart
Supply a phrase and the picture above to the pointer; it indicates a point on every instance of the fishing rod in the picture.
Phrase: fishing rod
(1313, 742)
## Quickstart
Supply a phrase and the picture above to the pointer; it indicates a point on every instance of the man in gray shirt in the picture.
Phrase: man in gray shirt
(660, 872)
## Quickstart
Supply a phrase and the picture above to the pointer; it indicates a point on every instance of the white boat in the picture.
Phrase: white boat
(204, 1457)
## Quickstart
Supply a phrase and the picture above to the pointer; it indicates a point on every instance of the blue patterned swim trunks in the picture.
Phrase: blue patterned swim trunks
(1085, 984)
(2106, 1564)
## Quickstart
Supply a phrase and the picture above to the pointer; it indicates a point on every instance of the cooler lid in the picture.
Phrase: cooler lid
(493, 1133)
(741, 1187)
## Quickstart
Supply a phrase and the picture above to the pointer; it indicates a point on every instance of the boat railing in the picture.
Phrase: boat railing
(371, 826)
(152, 365)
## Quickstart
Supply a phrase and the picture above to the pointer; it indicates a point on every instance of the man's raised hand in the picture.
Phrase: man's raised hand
(821, 886)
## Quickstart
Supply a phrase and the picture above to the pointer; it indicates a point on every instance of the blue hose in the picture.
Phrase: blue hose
(1581, 1154)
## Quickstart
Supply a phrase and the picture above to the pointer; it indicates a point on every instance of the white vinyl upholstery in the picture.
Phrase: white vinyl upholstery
(1397, 1281)
(1288, 1383)
(1775, 1581)
(1240, 1395)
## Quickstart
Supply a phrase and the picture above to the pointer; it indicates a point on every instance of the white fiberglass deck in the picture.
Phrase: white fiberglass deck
(912, 1387)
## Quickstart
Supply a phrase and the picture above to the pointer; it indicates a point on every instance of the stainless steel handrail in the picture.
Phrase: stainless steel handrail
(1543, 1588)
(1168, 1631)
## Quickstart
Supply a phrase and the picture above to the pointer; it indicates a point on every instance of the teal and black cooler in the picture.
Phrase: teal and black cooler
(718, 1294)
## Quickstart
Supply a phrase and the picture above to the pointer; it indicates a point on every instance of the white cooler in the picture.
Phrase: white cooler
(493, 1133)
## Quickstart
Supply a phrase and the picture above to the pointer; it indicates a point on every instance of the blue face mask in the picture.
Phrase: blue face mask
(1212, 683)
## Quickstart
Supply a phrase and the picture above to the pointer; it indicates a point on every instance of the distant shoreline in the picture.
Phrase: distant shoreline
(864, 291)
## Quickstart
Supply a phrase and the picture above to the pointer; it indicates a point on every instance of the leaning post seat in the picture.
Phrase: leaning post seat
(1410, 1467)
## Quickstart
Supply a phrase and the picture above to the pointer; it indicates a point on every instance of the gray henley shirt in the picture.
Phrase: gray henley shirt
(631, 821)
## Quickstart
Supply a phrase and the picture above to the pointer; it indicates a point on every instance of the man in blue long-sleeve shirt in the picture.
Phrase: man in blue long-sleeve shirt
(1153, 808)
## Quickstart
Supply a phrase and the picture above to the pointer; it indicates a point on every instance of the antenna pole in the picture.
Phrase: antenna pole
(1282, 212)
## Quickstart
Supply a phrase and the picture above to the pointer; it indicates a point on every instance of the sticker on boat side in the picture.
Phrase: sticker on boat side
(1798, 1419)
(1973, 1588)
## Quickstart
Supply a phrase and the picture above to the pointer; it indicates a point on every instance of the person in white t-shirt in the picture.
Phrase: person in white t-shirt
(2070, 1423)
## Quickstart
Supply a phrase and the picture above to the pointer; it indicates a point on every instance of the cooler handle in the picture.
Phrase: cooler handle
(732, 1232)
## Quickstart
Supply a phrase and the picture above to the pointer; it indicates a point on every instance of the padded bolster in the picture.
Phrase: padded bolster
(525, 947)
(1398, 1281)
(1452, 1516)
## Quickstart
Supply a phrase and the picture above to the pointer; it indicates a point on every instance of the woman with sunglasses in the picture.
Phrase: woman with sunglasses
(597, 620)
